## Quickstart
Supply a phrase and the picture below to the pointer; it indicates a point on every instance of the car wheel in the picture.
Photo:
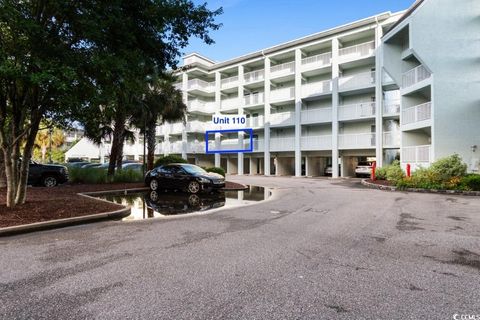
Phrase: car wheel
(49, 181)
(154, 184)
(194, 200)
(154, 196)
(193, 187)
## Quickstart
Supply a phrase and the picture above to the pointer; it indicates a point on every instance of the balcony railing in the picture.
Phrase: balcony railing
(358, 80)
(196, 147)
(282, 118)
(229, 104)
(317, 61)
(356, 141)
(416, 154)
(176, 128)
(358, 51)
(391, 108)
(201, 106)
(391, 139)
(415, 75)
(229, 82)
(255, 122)
(316, 115)
(253, 99)
(316, 142)
(282, 144)
(282, 69)
(197, 126)
(254, 76)
(258, 145)
(282, 94)
(315, 88)
(356, 111)
(417, 113)
(201, 85)
(175, 147)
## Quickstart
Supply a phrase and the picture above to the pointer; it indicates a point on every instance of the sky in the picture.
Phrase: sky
(252, 25)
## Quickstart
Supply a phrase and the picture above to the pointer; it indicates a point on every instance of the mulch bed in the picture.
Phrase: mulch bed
(381, 182)
(44, 204)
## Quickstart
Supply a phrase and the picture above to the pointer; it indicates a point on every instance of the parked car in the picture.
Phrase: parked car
(47, 175)
(363, 169)
(133, 166)
(181, 176)
(79, 164)
(90, 165)
(328, 170)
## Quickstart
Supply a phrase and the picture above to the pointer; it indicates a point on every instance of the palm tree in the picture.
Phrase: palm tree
(51, 138)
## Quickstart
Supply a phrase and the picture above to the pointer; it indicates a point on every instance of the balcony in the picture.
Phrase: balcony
(178, 86)
(229, 82)
(317, 61)
(316, 142)
(282, 94)
(230, 104)
(282, 118)
(196, 147)
(391, 139)
(197, 126)
(356, 111)
(161, 130)
(254, 76)
(356, 141)
(282, 144)
(391, 108)
(197, 84)
(359, 51)
(316, 88)
(176, 128)
(283, 69)
(258, 145)
(199, 106)
(254, 99)
(356, 81)
(416, 154)
(255, 122)
(175, 147)
(417, 113)
(316, 115)
(414, 76)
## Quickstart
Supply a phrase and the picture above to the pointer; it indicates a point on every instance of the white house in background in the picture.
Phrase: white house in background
(84, 149)
(404, 84)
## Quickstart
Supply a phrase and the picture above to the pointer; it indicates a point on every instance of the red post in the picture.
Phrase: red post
(374, 168)
(408, 170)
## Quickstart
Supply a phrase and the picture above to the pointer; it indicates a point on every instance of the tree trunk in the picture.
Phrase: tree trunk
(117, 142)
(150, 136)
(3, 178)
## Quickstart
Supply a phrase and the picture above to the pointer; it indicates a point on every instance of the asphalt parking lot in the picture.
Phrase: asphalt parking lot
(319, 249)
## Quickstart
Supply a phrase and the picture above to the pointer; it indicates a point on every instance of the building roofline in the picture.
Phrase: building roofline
(407, 13)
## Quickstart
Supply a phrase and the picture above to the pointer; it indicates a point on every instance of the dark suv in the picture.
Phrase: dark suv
(47, 175)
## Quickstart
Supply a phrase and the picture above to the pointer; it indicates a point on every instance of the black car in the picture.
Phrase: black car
(47, 175)
(170, 203)
(181, 176)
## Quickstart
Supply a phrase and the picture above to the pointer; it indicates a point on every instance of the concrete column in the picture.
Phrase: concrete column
(240, 155)
(253, 165)
(378, 96)
(335, 99)
(218, 98)
(298, 109)
(266, 153)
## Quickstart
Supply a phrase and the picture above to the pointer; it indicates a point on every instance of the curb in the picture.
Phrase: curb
(243, 187)
(435, 191)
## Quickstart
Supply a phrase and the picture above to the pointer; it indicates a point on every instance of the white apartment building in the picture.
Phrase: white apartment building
(401, 85)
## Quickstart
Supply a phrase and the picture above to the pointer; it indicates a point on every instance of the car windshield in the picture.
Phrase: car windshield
(193, 169)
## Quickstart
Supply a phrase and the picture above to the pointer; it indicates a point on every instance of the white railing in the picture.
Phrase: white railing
(254, 99)
(356, 111)
(391, 139)
(414, 76)
(356, 141)
(175, 147)
(161, 130)
(317, 61)
(358, 51)
(416, 154)
(282, 118)
(316, 115)
(229, 82)
(201, 106)
(197, 126)
(357, 80)
(282, 94)
(282, 69)
(175, 128)
(391, 108)
(258, 145)
(417, 113)
(282, 144)
(201, 85)
(196, 147)
(255, 122)
(314, 88)
(229, 104)
(254, 76)
(316, 142)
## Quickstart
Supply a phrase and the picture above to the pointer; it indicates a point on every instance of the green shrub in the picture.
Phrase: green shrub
(394, 172)
(169, 159)
(216, 170)
(87, 175)
(381, 173)
(449, 167)
(471, 182)
(128, 175)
